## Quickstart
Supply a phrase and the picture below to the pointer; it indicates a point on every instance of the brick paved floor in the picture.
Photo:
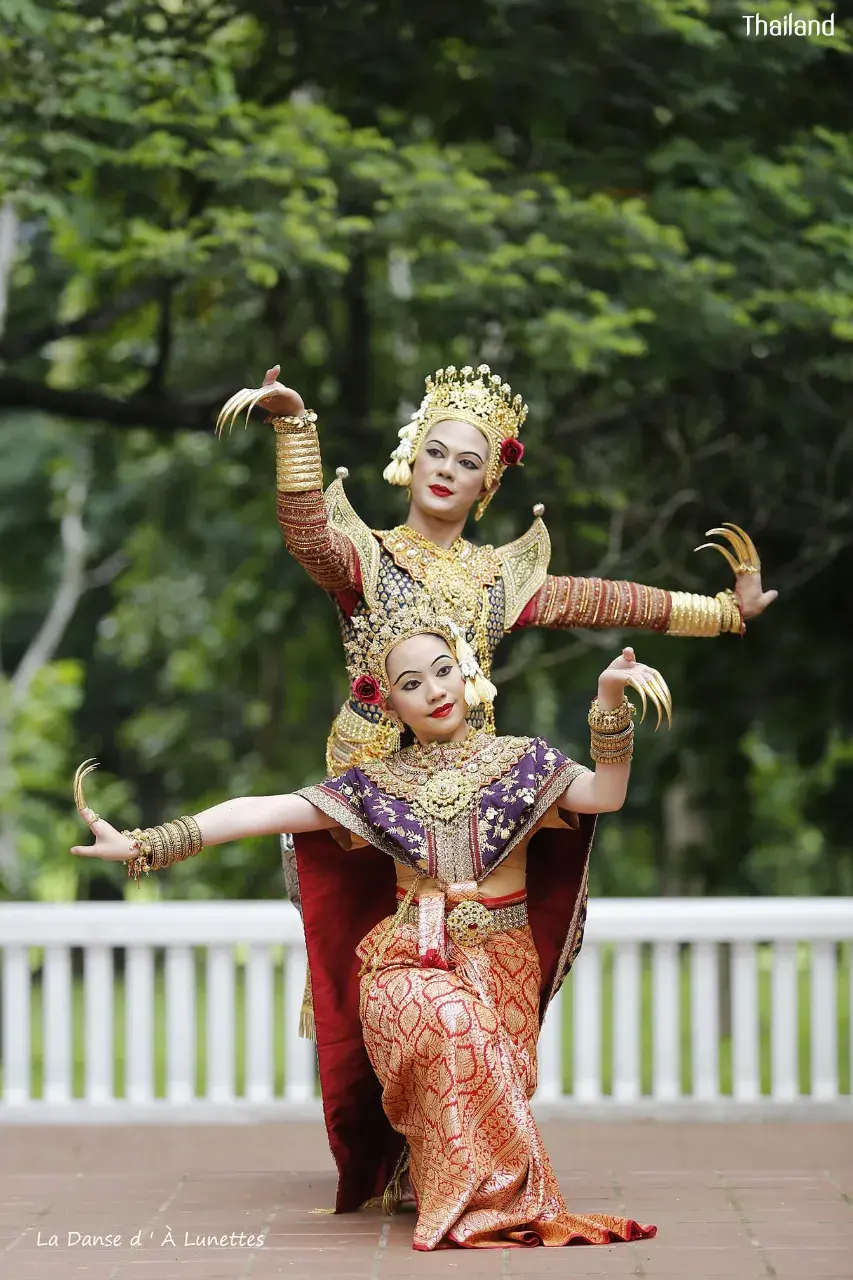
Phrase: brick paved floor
(746, 1201)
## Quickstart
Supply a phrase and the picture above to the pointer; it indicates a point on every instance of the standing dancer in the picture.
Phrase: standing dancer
(452, 457)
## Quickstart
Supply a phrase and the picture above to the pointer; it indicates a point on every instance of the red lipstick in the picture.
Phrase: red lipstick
(441, 712)
(440, 491)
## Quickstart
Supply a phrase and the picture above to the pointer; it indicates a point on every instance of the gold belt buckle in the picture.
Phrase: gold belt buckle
(470, 922)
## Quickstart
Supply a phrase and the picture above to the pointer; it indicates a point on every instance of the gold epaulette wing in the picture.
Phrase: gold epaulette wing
(344, 519)
(524, 567)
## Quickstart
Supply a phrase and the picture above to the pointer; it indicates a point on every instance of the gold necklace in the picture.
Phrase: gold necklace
(447, 754)
(451, 586)
(441, 780)
(448, 790)
(430, 548)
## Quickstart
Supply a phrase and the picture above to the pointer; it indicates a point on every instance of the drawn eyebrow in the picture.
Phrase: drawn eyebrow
(465, 452)
(407, 673)
(441, 657)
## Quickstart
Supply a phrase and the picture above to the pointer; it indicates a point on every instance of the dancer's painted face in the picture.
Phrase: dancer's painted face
(449, 474)
(426, 687)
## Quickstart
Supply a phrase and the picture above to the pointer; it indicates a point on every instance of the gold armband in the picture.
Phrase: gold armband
(694, 615)
(612, 748)
(611, 733)
(610, 721)
(161, 846)
(298, 468)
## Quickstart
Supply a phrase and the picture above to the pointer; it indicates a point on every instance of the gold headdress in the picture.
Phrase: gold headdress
(478, 397)
(375, 635)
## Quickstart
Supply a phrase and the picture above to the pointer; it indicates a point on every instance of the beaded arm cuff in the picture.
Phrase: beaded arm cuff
(329, 557)
(599, 603)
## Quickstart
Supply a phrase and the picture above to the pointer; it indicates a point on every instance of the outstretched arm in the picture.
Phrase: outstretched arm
(599, 603)
(327, 555)
(232, 820)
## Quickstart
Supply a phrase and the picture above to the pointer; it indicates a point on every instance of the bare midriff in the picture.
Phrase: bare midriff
(509, 877)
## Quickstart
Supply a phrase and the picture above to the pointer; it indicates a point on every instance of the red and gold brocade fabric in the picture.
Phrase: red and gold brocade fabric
(597, 603)
(455, 1053)
(327, 555)
(421, 1047)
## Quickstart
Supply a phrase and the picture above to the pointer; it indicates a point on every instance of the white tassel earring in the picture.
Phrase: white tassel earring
(478, 688)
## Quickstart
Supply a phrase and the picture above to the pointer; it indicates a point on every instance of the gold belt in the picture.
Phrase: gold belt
(471, 921)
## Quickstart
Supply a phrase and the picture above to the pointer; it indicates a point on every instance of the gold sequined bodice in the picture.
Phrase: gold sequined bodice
(454, 577)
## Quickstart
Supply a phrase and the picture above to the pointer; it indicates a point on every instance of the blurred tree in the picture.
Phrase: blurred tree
(641, 216)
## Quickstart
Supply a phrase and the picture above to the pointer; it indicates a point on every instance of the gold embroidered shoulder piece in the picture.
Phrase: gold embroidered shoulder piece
(524, 568)
(344, 518)
(413, 552)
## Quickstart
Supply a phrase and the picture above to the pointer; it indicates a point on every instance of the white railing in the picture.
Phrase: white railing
(190, 1010)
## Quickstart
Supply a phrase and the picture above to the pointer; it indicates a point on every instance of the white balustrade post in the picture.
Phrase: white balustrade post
(704, 1019)
(100, 1049)
(139, 1024)
(221, 1048)
(586, 1032)
(626, 1022)
(260, 1015)
(824, 1022)
(180, 1025)
(666, 1021)
(549, 1053)
(57, 1008)
(783, 1037)
(16, 1025)
(746, 1083)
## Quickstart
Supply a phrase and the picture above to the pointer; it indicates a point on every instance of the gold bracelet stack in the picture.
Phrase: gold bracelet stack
(611, 733)
(298, 467)
(731, 621)
(159, 847)
(694, 615)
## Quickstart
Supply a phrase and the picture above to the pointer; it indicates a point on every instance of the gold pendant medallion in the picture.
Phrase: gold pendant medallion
(446, 794)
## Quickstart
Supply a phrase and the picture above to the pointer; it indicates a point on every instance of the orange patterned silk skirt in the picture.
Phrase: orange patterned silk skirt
(455, 1053)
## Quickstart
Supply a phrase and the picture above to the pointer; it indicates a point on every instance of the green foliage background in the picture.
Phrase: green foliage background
(640, 216)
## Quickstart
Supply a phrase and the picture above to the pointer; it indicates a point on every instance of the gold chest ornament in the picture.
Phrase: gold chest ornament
(446, 794)
(454, 577)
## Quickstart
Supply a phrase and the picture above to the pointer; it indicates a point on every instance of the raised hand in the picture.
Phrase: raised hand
(109, 844)
(272, 395)
(626, 672)
(746, 566)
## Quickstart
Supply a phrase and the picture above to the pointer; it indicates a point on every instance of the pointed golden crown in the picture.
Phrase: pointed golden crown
(374, 635)
(476, 396)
